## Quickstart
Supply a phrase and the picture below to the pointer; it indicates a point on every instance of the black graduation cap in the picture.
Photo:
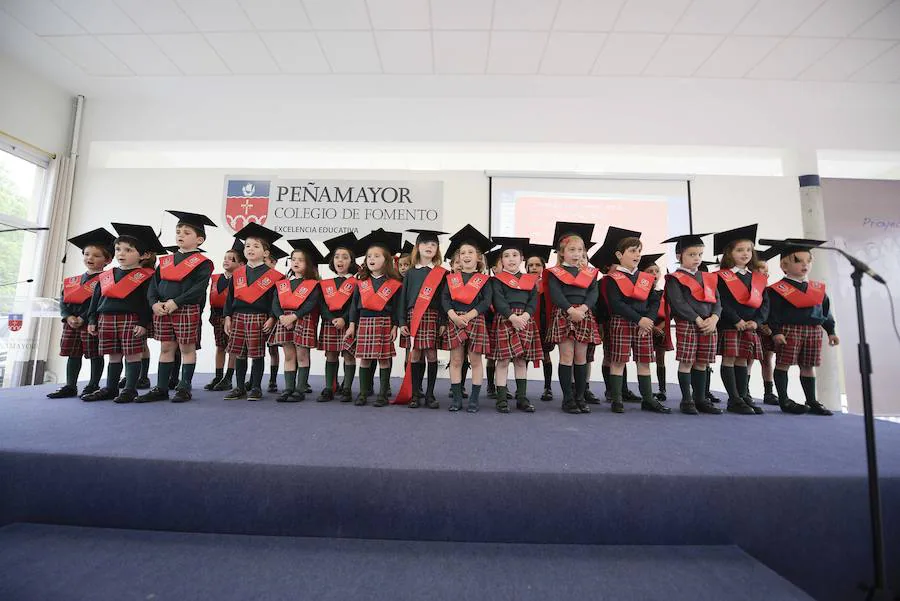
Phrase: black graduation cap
(407, 248)
(307, 246)
(144, 234)
(427, 235)
(792, 245)
(649, 261)
(347, 241)
(99, 237)
(769, 253)
(255, 230)
(705, 265)
(539, 250)
(569, 228)
(507, 243)
(470, 235)
(723, 239)
(277, 253)
(238, 247)
(606, 254)
(195, 220)
(686, 241)
(174, 249)
(390, 241)
(604, 257)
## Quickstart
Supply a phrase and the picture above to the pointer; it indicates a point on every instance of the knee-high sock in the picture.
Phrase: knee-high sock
(176, 366)
(661, 377)
(809, 389)
(741, 374)
(645, 387)
(331, 368)
(614, 387)
(73, 368)
(240, 371)
(432, 378)
(257, 368)
(580, 372)
(132, 372)
(698, 385)
(548, 374)
(684, 383)
(187, 375)
(730, 381)
(301, 379)
(273, 372)
(384, 380)
(290, 381)
(96, 371)
(781, 383)
(164, 374)
(113, 374)
(145, 368)
(564, 372)
(349, 374)
(417, 373)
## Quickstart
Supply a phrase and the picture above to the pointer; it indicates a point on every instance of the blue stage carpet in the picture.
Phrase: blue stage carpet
(789, 490)
(41, 563)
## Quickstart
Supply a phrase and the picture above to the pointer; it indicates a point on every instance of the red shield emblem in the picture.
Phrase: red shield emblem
(240, 211)
(15, 322)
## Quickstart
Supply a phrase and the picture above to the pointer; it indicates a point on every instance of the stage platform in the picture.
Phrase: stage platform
(788, 490)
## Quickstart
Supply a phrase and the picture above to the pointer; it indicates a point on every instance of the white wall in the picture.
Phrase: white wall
(32, 109)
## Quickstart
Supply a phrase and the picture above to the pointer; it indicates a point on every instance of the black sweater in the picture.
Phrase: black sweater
(189, 291)
(631, 309)
(136, 302)
(733, 311)
(682, 303)
(506, 299)
(782, 313)
(412, 285)
(262, 305)
(481, 303)
(78, 310)
(392, 309)
(309, 305)
(565, 296)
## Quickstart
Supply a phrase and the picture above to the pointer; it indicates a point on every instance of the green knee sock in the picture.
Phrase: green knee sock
(73, 368)
(132, 373)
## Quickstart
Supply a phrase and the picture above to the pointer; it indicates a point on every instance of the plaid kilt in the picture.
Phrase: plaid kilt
(78, 343)
(373, 339)
(247, 339)
(217, 321)
(427, 336)
(331, 340)
(475, 336)
(691, 345)
(151, 331)
(743, 345)
(115, 334)
(305, 330)
(803, 347)
(281, 335)
(624, 339)
(507, 343)
(586, 331)
(182, 326)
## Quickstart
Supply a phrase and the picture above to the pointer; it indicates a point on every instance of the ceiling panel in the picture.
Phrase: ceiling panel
(140, 54)
(337, 14)
(885, 68)
(89, 54)
(527, 15)
(791, 57)
(776, 17)
(296, 51)
(216, 15)
(42, 17)
(571, 53)
(405, 51)
(587, 15)
(516, 52)
(281, 15)
(191, 52)
(736, 56)
(837, 18)
(885, 25)
(461, 14)
(399, 14)
(681, 55)
(159, 16)
(627, 53)
(651, 15)
(99, 16)
(350, 51)
(713, 16)
(460, 51)
(243, 52)
(845, 59)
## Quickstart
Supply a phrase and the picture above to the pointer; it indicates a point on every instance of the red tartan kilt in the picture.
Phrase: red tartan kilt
(305, 330)
(217, 321)
(427, 336)
(281, 335)
(507, 343)
(78, 343)
(475, 335)
(182, 326)
(373, 338)
(331, 340)
(115, 334)
(803, 346)
(693, 346)
(624, 340)
(151, 331)
(585, 332)
(247, 339)
(742, 345)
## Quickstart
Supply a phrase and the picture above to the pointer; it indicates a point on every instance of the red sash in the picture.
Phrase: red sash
(583, 280)
(110, 288)
(753, 297)
(814, 295)
(466, 292)
(291, 300)
(171, 272)
(705, 293)
(216, 298)
(337, 296)
(76, 293)
(638, 291)
(663, 312)
(250, 293)
(376, 300)
(525, 281)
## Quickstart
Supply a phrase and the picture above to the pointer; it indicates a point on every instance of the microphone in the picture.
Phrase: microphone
(857, 264)
(28, 281)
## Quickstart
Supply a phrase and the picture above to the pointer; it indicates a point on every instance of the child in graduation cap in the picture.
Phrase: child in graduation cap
(248, 310)
(337, 293)
(375, 312)
(662, 340)
(176, 295)
(745, 307)
(96, 253)
(536, 258)
(275, 255)
(515, 336)
(767, 365)
(693, 299)
(218, 294)
(799, 312)
(492, 261)
(465, 300)
(573, 292)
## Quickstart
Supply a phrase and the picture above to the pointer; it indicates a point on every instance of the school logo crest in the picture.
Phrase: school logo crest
(14, 322)
(246, 202)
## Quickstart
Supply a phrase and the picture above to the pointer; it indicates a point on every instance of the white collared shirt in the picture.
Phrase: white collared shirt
(626, 270)
(422, 266)
(740, 270)
(511, 272)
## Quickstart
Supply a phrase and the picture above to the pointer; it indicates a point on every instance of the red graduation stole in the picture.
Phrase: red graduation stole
(465, 292)
(584, 278)
(663, 312)
(216, 298)
(110, 288)
(76, 293)
(337, 296)
(250, 293)
(814, 295)
(525, 281)
(171, 272)
(639, 290)
(753, 297)
(705, 293)
(291, 300)
(375, 300)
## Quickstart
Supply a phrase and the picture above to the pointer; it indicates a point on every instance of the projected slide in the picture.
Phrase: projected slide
(531, 206)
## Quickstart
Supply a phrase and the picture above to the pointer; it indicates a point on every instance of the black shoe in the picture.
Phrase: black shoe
(660, 396)
(66, 392)
(689, 408)
(750, 402)
(472, 407)
(212, 384)
(817, 408)
(326, 396)
(273, 386)
(548, 395)
(361, 399)
(88, 390)
(431, 402)
(655, 406)
(711, 398)
(792, 407)
(222, 385)
(126, 396)
(455, 405)
(101, 394)
(154, 394)
(286, 397)
(308, 389)
(570, 406)
(414, 401)
(122, 383)
(739, 406)
(255, 394)
(346, 396)
(523, 404)
(583, 407)
(618, 407)
(492, 391)
(591, 398)
(502, 406)
(710, 409)
(770, 399)
(628, 396)
(236, 394)
(143, 383)
(380, 401)
(182, 395)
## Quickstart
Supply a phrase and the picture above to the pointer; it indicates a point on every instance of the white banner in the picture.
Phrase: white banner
(322, 209)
